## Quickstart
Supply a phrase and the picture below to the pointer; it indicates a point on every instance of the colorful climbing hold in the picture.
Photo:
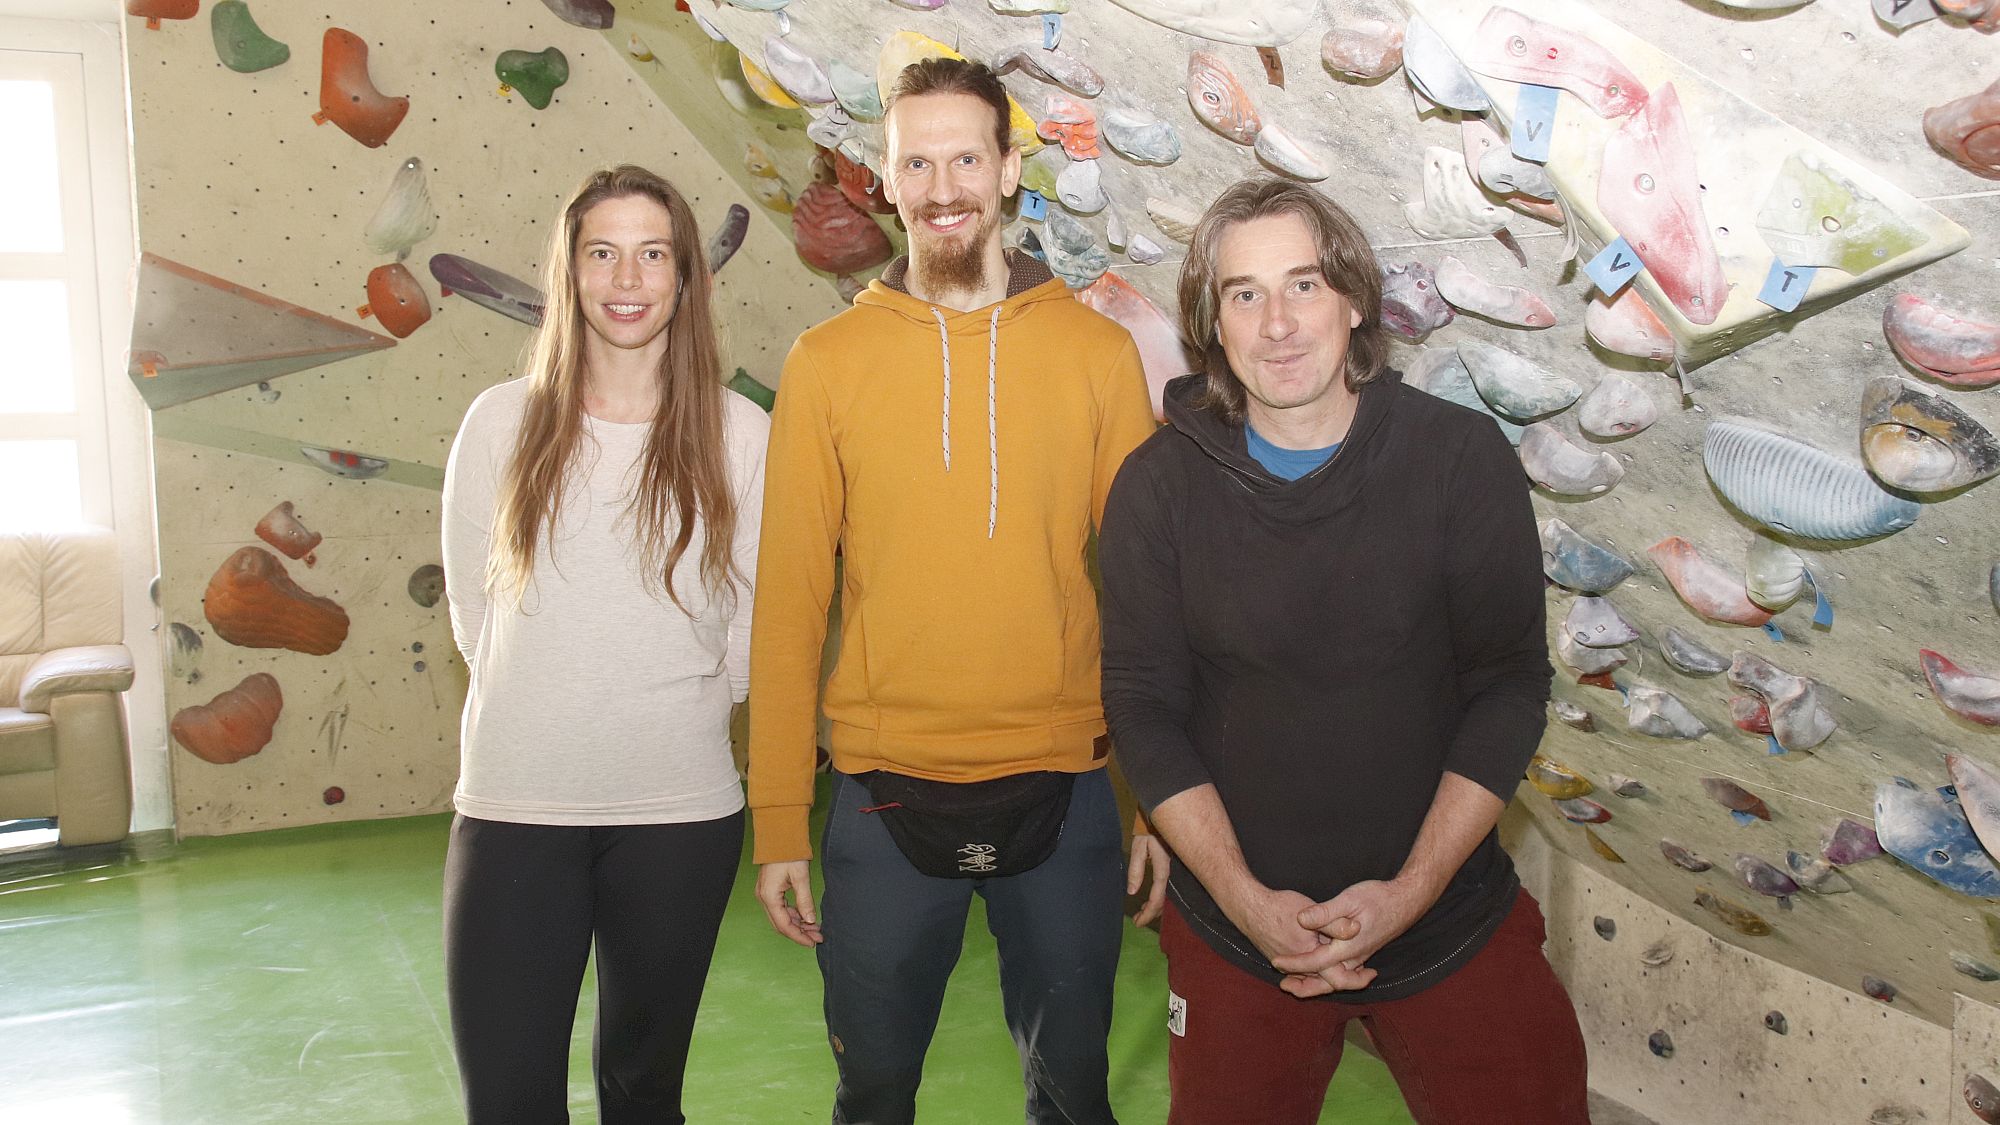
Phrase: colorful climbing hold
(1737, 917)
(1933, 837)
(235, 724)
(240, 43)
(1797, 489)
(347, 95)
(396, 300)
(1574, 560)
(536, 75)
(1734, 797)
(1706, 585)
(1682, 857)
(1970, 695)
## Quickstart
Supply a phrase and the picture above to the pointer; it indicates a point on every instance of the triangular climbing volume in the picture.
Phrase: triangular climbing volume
(195, 334)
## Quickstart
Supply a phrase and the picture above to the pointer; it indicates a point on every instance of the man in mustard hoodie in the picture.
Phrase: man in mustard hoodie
(954, 436)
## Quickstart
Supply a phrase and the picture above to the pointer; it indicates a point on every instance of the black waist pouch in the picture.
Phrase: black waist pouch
(976, 829)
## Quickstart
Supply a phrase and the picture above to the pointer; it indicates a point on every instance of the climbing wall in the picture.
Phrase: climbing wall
(1729, 276)
(278, 404)
(1685, 1026)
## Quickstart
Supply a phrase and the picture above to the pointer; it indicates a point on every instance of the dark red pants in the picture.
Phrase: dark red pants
(1494, 1043)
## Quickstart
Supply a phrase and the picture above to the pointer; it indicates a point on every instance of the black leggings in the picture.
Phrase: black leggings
(522, 903)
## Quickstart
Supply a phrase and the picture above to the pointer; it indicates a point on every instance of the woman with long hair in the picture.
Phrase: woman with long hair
(600, 539)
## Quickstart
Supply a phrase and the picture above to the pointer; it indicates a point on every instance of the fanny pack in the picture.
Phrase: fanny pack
(976, 829)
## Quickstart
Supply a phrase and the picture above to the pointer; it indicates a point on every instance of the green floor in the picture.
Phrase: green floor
(295, 977)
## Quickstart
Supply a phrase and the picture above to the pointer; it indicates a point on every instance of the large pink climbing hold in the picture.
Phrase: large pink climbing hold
(1508, 304)
(1649, 190)
(1518, 48)
(1627, 325)
(1949, 348)
(1965, 693)
(1708, 587)
(1159, 341)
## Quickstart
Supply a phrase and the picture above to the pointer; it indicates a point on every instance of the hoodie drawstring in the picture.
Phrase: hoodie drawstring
(992, 410)
(944, 413)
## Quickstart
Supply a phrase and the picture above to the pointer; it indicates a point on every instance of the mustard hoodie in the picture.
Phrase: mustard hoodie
(959, 461)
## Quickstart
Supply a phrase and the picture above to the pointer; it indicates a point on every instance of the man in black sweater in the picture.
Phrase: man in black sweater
(1325, 670)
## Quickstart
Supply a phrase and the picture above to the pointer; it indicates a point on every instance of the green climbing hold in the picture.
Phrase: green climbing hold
(1038, 177)
(1815, 216)
(240, 43)
(536, 74)
(751, 389)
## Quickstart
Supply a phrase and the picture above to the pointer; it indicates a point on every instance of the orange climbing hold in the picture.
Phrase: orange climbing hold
(396, 299)
(1968, 131)
(1072, 124)
(281, 528)
(153, 11)
(252, 602)
(233, 725)
(348, 98)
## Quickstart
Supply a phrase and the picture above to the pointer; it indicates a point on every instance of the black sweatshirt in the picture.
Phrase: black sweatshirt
(1322, 650)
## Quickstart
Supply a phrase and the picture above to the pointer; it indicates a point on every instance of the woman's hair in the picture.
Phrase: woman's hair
(683, 473)
(1345, 259)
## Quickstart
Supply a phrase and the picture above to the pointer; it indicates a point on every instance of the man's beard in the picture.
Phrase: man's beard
(953, 263)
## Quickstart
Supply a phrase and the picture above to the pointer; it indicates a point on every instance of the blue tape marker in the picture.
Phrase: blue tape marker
(1534, 122)
(1772, 631)
(1785, 286)
(1033, 206)
(1743, 819)
(1622, 693)
(1051, 30)
(1614, 267)
(1822, 607)
(1771, 746)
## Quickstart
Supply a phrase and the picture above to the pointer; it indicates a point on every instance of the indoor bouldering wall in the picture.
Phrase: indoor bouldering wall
(301, 442)
(1729, 276)
(1727, 273)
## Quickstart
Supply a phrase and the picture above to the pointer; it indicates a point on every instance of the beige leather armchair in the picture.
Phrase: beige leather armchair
(63, 752)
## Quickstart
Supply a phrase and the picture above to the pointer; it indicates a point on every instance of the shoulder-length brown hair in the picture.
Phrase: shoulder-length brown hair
(683, 472)
(1346, 261)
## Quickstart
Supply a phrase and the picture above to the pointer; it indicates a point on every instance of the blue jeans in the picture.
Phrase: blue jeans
(893, 936)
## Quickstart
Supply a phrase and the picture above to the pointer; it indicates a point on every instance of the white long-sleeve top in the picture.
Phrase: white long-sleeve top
(594, 699)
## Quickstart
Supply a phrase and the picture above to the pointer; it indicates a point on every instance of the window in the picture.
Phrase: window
(54, 458)
(75, 437)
